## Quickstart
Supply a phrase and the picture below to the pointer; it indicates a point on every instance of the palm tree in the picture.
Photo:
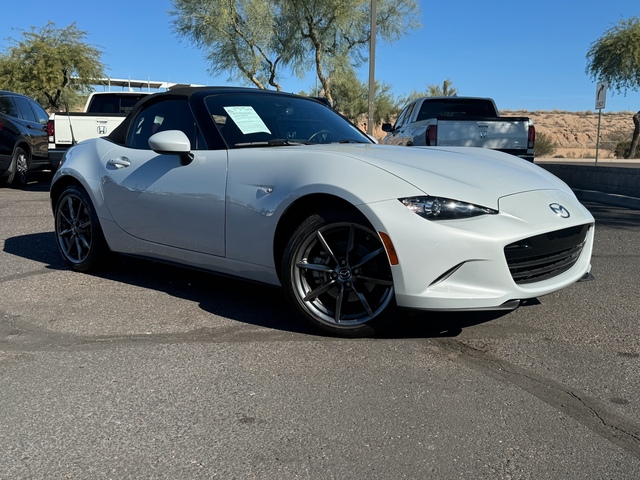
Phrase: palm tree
(447, 90)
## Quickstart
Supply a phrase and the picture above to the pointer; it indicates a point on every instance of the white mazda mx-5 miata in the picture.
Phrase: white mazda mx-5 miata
(280, 189)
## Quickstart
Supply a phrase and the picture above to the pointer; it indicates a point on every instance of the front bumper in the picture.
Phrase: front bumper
(461, 264)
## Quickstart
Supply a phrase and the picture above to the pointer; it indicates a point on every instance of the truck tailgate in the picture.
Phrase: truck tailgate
(508, 133)
(84, 126)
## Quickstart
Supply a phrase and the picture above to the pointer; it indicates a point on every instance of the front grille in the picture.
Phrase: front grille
(545, 256)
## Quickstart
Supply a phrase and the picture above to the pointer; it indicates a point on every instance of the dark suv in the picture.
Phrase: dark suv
(23, 138)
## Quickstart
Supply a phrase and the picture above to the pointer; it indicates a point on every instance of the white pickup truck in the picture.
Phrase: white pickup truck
(461, 122)
(103, 112)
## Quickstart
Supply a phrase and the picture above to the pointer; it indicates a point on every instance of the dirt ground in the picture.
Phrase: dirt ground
(575, 133)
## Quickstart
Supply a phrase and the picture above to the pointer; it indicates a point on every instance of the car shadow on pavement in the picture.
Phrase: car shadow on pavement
(266, 306)
(438, 324)
(39, 247)
(37, 182)
(247, 302)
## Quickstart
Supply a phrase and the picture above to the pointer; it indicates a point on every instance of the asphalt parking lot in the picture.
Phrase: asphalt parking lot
(155, 372)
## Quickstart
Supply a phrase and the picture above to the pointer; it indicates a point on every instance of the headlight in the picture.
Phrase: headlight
(438, 208)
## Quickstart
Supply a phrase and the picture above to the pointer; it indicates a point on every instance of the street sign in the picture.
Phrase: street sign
(601, 95)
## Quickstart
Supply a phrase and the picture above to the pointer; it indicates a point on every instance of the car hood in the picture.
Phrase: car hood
(475, 175)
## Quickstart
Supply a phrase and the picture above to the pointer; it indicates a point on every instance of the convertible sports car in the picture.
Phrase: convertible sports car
(280, 189)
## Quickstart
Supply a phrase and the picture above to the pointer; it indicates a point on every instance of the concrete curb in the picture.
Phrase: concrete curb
(610, 185)
(608, 199)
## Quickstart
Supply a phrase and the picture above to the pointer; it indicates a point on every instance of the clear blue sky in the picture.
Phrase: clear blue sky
(526, 55)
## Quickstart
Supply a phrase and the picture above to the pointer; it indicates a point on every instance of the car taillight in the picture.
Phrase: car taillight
(51, 129)
(531, 137)
(431, 135)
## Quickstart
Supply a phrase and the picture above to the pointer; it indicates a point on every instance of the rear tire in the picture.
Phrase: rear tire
(336, 273)
(78, 233)
(19, 169)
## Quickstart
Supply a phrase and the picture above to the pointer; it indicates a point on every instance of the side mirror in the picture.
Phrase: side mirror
(387, 127)
(172, 142)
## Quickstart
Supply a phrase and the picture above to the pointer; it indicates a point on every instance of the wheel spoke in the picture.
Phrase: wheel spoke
(338, 313)
(326, 246)
(69, 247)
(350, 241)
(84, 241)
(369, 256)
(72, 214)
(65, 218)
(363, 301)
(316, 267)
(78, 248)
(312, 295)
(375, 281)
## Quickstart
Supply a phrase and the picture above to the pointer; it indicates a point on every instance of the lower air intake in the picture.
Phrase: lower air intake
(545, 256)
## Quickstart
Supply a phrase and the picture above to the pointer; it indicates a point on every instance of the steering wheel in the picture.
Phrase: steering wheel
(321, 136)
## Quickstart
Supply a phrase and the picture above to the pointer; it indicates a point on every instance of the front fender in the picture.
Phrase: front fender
(261, 188)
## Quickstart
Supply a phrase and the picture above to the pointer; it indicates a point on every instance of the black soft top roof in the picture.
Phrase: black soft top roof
(119, 134)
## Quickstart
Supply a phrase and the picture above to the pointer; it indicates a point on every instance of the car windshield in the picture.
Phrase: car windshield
(248, 120)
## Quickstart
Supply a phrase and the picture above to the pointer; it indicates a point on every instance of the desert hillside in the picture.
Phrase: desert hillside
(574, 133)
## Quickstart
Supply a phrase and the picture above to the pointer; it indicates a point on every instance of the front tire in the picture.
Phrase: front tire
(78, 233)
(336, 272)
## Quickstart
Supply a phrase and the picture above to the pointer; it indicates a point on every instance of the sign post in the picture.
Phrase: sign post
(601, 102)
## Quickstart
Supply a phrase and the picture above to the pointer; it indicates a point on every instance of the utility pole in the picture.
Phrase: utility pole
(372, 69)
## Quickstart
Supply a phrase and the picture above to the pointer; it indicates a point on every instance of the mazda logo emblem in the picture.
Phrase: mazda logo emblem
(559, 210)
(345, 274)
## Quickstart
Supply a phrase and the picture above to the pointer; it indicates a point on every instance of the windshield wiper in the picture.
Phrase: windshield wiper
(275, 142)
(350, 140)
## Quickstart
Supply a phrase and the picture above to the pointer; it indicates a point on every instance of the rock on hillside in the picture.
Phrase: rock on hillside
(574, 133)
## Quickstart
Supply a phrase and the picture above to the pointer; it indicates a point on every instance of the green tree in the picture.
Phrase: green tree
(336, 33)
(445, 90)
(351, 98)
(255, 40)
(615, 58)
(52, 65)
(241, 38)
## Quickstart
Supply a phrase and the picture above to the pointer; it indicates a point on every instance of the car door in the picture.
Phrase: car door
(153, 197)
(398, 136)
(8, 131)
(403, 134)
(35, 124)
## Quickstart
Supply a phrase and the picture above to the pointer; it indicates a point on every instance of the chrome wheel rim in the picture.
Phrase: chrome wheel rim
(21, 164)
(342, 276)
(74, 229)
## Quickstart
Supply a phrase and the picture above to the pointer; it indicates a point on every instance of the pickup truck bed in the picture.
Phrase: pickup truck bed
(461, 122)
(103, 112)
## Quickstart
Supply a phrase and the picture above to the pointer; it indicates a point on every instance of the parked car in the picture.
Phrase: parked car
(23, 137)
(278, 188)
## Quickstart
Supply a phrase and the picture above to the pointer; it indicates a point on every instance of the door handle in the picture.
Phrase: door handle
(120, 162)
